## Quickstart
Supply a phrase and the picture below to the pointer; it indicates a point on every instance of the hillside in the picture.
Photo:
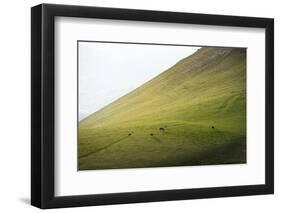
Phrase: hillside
(191, 114)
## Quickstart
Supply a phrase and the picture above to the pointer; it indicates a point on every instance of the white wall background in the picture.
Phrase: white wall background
(15, 105)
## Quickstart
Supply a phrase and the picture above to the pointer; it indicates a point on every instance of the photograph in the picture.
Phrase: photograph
(143, 105)
(135, 105)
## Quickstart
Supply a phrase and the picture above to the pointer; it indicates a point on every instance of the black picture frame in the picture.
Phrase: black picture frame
(43, 102)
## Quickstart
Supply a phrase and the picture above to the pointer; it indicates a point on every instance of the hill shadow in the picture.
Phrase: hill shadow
(105, 147)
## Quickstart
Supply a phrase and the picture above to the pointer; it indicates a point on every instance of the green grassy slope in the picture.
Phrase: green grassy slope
(203, 90)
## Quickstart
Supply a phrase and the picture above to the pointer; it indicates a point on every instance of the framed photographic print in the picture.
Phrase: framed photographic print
(139, 106)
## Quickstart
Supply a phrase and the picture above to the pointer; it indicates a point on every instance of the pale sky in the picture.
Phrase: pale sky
(108, 71)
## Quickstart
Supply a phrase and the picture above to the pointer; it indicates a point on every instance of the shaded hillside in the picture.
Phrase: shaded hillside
(168, 120)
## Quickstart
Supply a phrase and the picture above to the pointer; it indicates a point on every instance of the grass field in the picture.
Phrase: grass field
(191, 114)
